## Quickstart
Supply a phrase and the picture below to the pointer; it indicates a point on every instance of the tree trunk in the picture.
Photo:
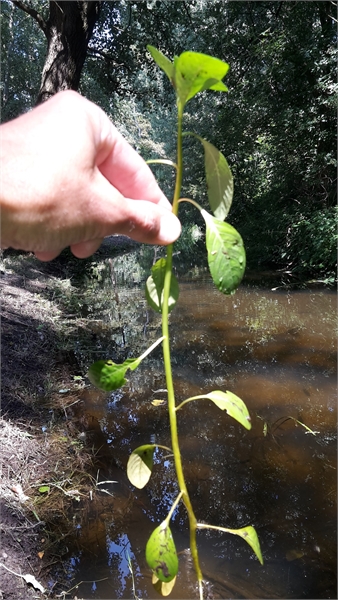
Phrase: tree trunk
(68, 31)
(5, 67)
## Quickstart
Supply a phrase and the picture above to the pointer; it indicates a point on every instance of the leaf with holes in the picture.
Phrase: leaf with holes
(109, 376)
(196, 72)
(161, 554)
(140, 465)
(226, 253)
(192, 72)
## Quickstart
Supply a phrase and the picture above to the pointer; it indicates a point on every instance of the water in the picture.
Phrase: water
(277, 351)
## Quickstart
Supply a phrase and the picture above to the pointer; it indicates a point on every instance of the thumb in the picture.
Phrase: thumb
(149, 223)
(142, 220)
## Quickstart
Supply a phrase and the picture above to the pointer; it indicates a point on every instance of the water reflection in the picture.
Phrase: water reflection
(277, 351)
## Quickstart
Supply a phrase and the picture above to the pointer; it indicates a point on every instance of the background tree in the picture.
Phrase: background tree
(276, 125)
(68, 28)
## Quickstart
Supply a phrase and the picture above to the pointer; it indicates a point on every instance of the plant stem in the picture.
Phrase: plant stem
(168, 370)
(170, 514)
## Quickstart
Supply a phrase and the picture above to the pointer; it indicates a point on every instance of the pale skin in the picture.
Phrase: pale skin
(68, 178)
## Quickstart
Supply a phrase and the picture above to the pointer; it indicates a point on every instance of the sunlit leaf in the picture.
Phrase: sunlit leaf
(140, 465)
(226, 253)
(44, 489)
(162, 587)
(234, 406)
(192, 72)
(109, 376)
(250, 536)
(247, 533)
(195, 72)
(228, 401)
(155, 285)
(161, 554)
(219, 180)
(163, 62)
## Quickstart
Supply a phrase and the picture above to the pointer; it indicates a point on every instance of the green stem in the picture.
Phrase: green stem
(191, 202)
(162, 161)
(150, 349)
(190, 400)
(168, 370)
(170, 514)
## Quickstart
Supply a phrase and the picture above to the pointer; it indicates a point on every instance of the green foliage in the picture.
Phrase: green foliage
(314, 239)
(22, 56)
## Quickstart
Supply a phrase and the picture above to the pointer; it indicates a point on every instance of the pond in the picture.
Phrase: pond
(276, 349)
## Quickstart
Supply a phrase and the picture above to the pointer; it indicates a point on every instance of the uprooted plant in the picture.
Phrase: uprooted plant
(189, 73)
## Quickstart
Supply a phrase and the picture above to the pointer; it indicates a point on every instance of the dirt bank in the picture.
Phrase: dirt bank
(47, 461)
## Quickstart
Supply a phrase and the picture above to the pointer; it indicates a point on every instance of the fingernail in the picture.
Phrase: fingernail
(170, 228)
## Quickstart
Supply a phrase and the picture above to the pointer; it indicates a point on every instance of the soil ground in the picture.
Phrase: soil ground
(45, 463)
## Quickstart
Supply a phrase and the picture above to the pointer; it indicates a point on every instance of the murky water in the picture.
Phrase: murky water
(277, 351)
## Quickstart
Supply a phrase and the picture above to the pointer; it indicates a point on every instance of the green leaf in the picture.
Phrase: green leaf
(228, 401)
(109, 376)
(192, 72)
(226, 253)
(234, 406)
(161, 554)
(247, 533)
(44, 489)
(163, 62)
(219, 180)
(140, 465)
(155, 285)
(195, 72)
(250, 536)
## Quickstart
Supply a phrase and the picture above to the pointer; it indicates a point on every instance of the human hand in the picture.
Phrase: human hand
(69, 178)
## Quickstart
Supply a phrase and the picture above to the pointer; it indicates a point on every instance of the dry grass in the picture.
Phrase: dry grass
(45, 464)
(48, 460)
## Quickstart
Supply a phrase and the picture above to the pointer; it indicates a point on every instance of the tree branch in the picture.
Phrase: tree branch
(108, 58)
(33, 13)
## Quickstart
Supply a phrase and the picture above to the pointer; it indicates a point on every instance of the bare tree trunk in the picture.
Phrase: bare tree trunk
(68, 30)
